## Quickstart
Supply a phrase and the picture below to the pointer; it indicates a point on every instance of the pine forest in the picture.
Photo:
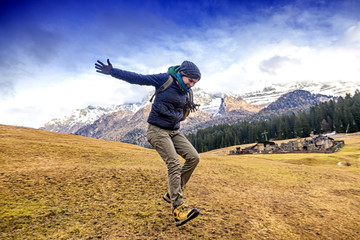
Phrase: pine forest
(342, 116)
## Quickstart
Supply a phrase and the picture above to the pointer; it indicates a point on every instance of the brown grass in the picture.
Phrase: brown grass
(59, 186)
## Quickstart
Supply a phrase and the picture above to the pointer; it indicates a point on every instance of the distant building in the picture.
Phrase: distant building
(265, 146)
(319, 144)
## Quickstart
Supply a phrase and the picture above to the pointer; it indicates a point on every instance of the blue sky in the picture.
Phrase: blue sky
(48, 48)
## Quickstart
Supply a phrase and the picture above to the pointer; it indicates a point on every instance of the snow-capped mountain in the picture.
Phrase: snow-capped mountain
(127, 122)
(81, 117)
(219, 103)
(271, 93)
(294, 101)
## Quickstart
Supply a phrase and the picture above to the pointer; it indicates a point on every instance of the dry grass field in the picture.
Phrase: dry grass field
(60, 186)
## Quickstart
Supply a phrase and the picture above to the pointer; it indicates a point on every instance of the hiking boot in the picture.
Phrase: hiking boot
(183, 214)
(167, 197)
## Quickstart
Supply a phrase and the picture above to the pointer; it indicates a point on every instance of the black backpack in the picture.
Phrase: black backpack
(190, 106)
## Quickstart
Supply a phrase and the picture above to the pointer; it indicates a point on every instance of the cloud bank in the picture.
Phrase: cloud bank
(48, 48)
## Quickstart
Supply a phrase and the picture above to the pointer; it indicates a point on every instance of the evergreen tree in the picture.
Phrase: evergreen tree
(336, 116)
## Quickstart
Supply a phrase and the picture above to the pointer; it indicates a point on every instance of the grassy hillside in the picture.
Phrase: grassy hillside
(58, 186)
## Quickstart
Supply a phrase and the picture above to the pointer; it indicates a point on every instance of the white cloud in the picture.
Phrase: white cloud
(238, 54)
(275, 63)
(36, 105)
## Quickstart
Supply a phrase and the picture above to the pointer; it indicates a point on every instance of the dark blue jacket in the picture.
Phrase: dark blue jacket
(167, 109)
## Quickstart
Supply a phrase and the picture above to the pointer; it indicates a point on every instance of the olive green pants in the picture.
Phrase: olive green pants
(170, 143)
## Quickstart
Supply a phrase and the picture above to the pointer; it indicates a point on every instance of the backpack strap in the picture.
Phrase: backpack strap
(163, 87)
(191, 96)
(193, 107)
(190, 106)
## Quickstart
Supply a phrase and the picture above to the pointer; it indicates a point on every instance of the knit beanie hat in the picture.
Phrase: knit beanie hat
(190, 69)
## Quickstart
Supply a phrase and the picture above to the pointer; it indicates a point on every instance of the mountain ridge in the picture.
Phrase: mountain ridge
(298, 99)
(128, 122)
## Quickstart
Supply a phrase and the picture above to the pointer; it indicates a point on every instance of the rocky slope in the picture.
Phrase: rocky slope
(132, 129)
(79, 118)
(295, 101)
(127, 123)
(119, 127)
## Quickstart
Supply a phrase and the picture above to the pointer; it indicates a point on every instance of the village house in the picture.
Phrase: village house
(321, 143)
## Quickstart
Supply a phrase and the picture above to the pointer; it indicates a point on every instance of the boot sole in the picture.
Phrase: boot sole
(193, 214)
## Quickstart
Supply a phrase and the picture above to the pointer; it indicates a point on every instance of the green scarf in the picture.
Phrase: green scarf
(173, 70)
